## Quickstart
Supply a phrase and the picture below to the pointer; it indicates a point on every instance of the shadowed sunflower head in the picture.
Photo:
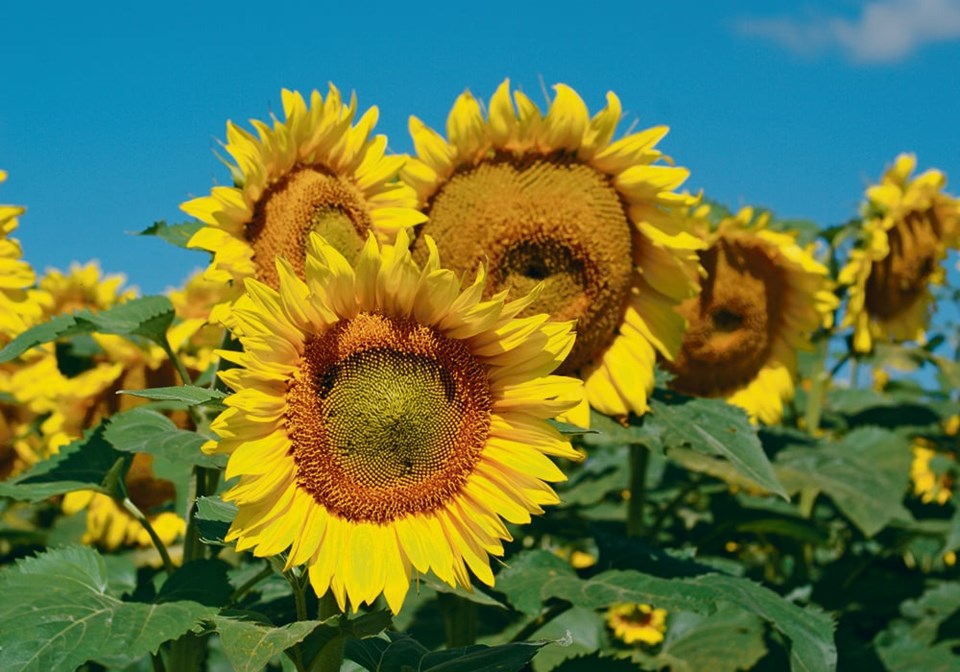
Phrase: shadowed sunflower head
(932, 482)
(762, 296)
(637, 623)
(908, 224)
(386, 420)
(315, 171)
(551, 198)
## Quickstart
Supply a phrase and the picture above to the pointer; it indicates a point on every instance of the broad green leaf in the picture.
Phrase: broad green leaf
(910, 642)
(583, 631)
(865, 475)
(56, 614)
(250, 646)
(142, 430)
(596, 662)
(726, 641)
(523, 578)
(58, 327)
(204, 581)
(175, 234)
(188, 394)
(213, 519)
(609, 432)
(88, 463)
(567, 429)
(713, 427)
(395, 652)
(316, 645)
(476, 595)
(810, 632)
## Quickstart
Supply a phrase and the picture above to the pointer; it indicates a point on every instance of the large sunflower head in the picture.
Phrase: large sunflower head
(315, 171)
(761, 298)
(908, 224)
(385, 420)
(551, 198)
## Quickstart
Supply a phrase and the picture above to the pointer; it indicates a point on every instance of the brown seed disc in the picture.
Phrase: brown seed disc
(387, 418)
(549, 219)
(307, 199)
(896, 281)
(734, 321)
(146, 490)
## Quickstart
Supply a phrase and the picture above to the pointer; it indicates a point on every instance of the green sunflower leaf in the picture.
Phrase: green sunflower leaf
(57, 614)
(59, 327)
(726, 641)
(810, 631)
(190, 395)
(175, 234)
(142, 430)
(204, 581)
(713, 428)
(864, 474)
(250, 646)
(395, 651)
(213, 519)
(88, 463)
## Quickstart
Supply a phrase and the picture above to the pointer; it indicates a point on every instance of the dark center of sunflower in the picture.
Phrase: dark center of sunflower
(146, 490)
(637, 616)
(900, 278)
(549, 219)
(387, 418)
(733, 323)
(307, 199)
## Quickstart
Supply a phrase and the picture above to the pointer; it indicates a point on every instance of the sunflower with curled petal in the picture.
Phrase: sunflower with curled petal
(314, 171)
(386, 420)
(908, 225)
(762, 296)
(553, 198)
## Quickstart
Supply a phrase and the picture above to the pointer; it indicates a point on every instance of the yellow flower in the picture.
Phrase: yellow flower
(553, 198)
(314, 171)
(637, 623)
(762, 296)
(18, 308)
(928, 485)
(385, 420)
(193, 337)
(110, 525)
(908, 224)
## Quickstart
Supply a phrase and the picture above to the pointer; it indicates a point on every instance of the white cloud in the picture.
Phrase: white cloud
(885, 31)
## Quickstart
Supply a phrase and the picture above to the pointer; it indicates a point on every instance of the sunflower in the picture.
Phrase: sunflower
(908, 224)
(762, 297)
(385, 420)
(552, 198)
(315, 171)
(930, 485)
(18, 307)
(637, 623)
(110, 526)
(194, 338)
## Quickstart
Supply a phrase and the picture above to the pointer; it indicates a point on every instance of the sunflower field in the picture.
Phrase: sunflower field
(518, 401)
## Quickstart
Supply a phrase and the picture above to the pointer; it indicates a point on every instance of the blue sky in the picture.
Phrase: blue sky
(109, 111)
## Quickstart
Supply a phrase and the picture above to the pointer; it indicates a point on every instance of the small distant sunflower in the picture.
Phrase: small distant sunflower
(110, 526)
(18, 310)
(908, 224)
(637, 623)
(193, 337)
(314, 171)
(385, 420)
(761, 298)
(552, 198)
(929, 485)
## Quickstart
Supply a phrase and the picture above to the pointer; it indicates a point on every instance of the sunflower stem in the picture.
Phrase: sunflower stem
(330, 657)
(815, 396)
(154, 537)
(639, 460)
(459, 620)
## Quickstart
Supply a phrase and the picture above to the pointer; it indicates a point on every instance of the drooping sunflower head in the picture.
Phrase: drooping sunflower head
(551, 198)
(761, 298)
(637, 623)
(385, 420)
(315, 171)
(932, 482)
(908, 225)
